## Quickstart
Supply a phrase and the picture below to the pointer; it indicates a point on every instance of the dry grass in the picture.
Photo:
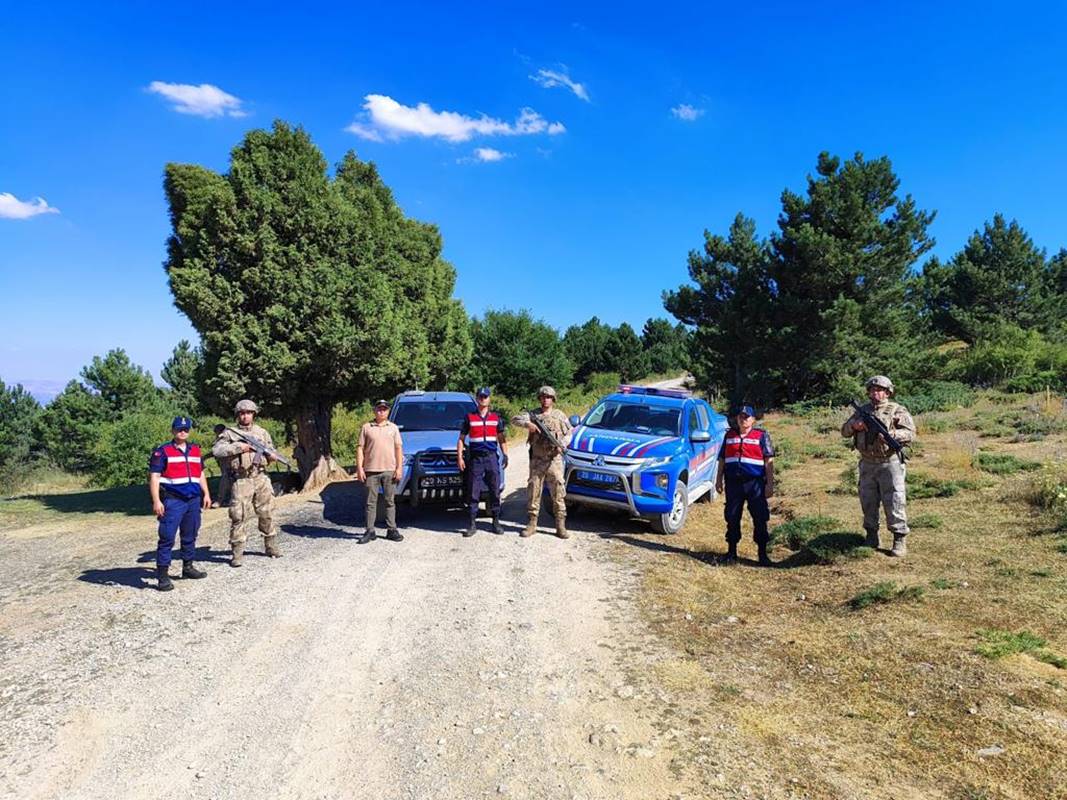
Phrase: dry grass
(890, 699)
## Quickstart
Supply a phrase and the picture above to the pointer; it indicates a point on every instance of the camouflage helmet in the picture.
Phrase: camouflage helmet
(245, 405)
(882, 381)
(546, 391)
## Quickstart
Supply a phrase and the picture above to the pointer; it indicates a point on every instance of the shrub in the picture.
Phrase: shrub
(1048, 493)
(829, 548)
(344, 435)
(884, 592)
(922, 485)
(848, 481)
(999, 643)
(1003, 463)
(924, 396)
(798, 532)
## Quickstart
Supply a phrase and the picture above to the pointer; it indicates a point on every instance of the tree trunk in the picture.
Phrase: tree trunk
(313, 452)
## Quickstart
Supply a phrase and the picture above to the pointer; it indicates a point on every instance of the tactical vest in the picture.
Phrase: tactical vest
(743, 455)
(181, 473)
(483, 432)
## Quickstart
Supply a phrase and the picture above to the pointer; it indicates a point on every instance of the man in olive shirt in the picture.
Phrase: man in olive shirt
(379, 464)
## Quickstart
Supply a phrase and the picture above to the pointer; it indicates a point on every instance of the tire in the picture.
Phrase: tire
(673, 521)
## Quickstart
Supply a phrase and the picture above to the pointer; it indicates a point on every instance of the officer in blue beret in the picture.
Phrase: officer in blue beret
(179, 491)
(746, 471)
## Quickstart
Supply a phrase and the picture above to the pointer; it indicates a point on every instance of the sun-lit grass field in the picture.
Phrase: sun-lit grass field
(844, 673)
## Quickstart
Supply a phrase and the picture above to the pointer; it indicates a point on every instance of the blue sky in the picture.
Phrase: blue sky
(674, 117)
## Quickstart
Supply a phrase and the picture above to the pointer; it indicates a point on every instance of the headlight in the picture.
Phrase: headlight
(656, 462)
(662, 480)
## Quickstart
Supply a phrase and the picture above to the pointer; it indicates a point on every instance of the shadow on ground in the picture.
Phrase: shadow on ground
(129, 500)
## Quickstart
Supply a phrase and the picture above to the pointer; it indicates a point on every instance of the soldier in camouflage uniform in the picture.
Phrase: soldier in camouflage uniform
(251, 484)
(881, 473)
(546, 464)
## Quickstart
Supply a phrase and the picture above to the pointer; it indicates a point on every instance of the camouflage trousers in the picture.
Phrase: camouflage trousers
(548, 471)
(252, 493)
(881, 486)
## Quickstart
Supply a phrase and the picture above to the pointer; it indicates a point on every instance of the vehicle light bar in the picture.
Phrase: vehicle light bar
(626, 388)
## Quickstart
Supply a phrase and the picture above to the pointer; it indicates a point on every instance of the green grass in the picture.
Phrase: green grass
(829, 548)
(932, 521)
(798, 532)
(884, 592)
(943, 584)
(1003, 463)
(922, 485)
(999, 644)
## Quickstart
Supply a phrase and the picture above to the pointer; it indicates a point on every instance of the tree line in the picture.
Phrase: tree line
(311, 289)
(836, 294)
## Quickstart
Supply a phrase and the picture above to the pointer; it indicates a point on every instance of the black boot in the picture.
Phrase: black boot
(164, 583)
(472, 529)
(369, 535)
(393, 535)
(731, 552)
(496, 524)
(189, 570)
(764, 559)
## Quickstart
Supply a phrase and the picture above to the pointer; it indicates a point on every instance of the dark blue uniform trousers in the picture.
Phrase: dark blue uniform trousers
(483, 473)
(178, 514)
(740, 490)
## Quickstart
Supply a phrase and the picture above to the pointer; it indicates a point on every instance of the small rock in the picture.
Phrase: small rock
(912, 712)
(732, 619)
(478, 731)
(502, 789)
(988, 752)
(596, 740)
(972, 710)
(689, 617)
(802, 597)
(625, 692)
(440, 741)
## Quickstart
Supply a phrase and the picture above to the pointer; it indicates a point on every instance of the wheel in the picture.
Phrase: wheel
(672, 521)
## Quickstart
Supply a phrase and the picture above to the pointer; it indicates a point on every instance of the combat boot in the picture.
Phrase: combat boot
(271, 545)
(900, 547)
(369, 535)
(496, 524)
(731, 552)
(164, 583)
(764, 559)
(471, 530)
(872, 539)
(530, 529)
(189, 570)
(561, 527)
(237, 552)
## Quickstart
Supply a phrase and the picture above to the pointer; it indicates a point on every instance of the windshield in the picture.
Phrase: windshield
(634, 418)
(431, 416)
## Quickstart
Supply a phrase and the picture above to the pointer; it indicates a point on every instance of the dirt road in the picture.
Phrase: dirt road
(439, 667)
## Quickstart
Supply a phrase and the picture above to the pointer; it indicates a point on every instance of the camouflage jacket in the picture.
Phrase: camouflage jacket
(227, 448)
(895, 417)
(541, 449)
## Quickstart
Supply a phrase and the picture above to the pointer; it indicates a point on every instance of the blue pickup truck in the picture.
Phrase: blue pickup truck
(429, 425)
(651, 452)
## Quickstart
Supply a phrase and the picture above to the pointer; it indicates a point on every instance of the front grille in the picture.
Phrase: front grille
(439, 459)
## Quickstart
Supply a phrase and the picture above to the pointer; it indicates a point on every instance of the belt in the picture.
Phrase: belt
(246, 473)
(483, 453)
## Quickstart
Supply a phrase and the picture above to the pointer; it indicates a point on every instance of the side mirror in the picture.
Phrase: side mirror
(700, 436)
(575, 420)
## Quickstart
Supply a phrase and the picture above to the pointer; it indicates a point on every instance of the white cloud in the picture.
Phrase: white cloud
(385, 118)
(13, 208)
(485, 155)
(549, 78)
(687, 112)
(204, 100)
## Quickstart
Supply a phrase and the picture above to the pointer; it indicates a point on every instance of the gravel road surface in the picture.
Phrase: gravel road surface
(439, 667)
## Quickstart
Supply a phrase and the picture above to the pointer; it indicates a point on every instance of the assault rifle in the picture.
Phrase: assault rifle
(535, 417)
(260, 448)
(876, 425)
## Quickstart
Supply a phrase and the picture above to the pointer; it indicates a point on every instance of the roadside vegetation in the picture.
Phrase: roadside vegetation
(843, 673)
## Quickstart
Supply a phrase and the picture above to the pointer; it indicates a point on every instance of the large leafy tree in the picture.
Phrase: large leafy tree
(730, 308)
(19, 446)
(183, 373)
(591, 347)
(823, 302)
(308, 290)
(517, 353)
(667, 345)
(999, 277)
(628, 354)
